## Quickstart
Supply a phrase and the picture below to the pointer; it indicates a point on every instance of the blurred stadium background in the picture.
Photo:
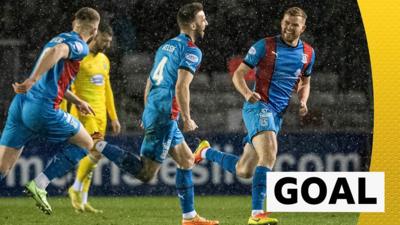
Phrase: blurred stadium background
(336, 135)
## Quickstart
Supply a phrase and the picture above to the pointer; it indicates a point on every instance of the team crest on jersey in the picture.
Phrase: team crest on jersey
(304, 58)
(97, 80)
(192, 58)
(252, 51)
(105, 66)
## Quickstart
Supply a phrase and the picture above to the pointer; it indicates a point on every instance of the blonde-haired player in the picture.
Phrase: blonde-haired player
(93, 85)
(35, 109)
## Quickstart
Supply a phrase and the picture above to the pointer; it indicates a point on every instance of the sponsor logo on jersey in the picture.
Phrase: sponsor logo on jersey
(169, 48)
(97, 80)
(78, 47)
(57, 40)
(252, 51)
(304, 58)
(192, 58)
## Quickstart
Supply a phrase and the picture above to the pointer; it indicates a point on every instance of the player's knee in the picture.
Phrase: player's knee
(267, 160)
(244, 172)
(187, 162)
(272, 158)
(94, 155)
(97, 136)
(5, 166)
(4, 169)
(145, 177)
(88, 144)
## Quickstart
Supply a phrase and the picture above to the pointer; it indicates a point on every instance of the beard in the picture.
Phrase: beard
(289, 37)
(98, 49)
(90, 39)
(199, 33)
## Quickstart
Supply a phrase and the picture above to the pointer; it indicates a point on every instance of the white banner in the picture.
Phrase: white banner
(325, 192)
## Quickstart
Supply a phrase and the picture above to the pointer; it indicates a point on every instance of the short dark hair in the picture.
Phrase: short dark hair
(106, 28)
(187, 13)
(87, 15)
(295, 11)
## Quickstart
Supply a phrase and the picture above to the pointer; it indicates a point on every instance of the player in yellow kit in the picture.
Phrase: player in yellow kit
(93, 85)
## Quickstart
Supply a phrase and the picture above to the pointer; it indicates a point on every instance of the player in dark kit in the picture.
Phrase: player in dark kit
(283, 65)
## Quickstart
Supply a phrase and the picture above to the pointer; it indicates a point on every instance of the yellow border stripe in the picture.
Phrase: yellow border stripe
(382, 24)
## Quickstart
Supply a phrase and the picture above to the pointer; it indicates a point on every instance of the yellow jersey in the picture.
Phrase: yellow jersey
(92, 84)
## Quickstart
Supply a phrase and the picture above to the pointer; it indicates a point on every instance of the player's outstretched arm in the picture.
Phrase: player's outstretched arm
(303, 93)
(47, 60)
(241, 86)
(183, 98)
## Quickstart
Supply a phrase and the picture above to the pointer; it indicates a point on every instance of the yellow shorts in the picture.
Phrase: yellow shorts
(93, 124)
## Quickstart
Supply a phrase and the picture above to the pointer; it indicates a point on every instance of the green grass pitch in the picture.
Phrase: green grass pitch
(229, 210)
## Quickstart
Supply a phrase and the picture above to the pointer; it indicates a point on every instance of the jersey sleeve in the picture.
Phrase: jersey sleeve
(191, 60)
(310, 66)
(77, 49)
(255, 54)
(110, 105)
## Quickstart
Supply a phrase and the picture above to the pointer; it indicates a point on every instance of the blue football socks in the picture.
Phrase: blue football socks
(225, 160)
(259, 187)
(185, 189)
(125, 160)
(64, 161)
